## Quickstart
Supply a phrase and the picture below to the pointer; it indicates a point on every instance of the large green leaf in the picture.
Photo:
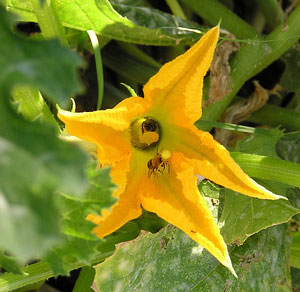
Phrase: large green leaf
(104, 20)
(34, 163)
(37, 63)
(244, 216)
(171, 261)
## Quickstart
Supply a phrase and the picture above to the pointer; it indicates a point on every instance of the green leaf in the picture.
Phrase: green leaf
(45, 65)
(213, 195)
(154, 18)
(98, 197)
(289, 79)
(288, 147)
(37, 157)
(293, 195)
(79, 241)
(34, 163)
(244, 216)
(105, 21)
(137, 3)
(295, 250)
(261, 144)
(295, 275)
(171, 261)
(28, 217)
(10, 264)
(149, 222)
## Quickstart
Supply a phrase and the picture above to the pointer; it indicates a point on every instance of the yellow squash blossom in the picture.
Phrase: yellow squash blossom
(156, 151)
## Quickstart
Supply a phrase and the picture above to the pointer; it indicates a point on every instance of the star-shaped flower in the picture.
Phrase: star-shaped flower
(156, 151)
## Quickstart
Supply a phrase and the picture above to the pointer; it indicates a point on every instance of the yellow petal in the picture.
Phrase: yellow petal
(119, 174)
(118, 118)
(174, 196)
(106, 128)
(211, 160)
(127, 207)
(176, 90)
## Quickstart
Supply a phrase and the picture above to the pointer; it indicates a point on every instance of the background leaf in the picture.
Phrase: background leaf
(78, 241)
(131, 66)
(154, 18)
(261, 144)
(289, 79)
(171, 261)
(105, 21)
(288, 148)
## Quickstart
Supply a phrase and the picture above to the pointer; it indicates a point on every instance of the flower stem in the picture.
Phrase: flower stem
(269, 168)
(253, 58)
(271, 11)
(231, 127)
(85, 280)
(283, 117)
(176, 8)
(213, 11)
(99, 66)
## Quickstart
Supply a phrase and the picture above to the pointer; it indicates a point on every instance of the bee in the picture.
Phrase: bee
(159, 163)
(149, 125)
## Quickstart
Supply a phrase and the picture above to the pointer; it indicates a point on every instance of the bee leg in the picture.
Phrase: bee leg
(150, 171)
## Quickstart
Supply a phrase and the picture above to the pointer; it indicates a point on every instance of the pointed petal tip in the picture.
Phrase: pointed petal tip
(231, 269)
(227, 263)
(265, 193)
(216, 29)
(62, 113)
(281, 197)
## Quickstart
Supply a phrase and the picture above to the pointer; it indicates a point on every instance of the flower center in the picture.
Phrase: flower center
(145, 133)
